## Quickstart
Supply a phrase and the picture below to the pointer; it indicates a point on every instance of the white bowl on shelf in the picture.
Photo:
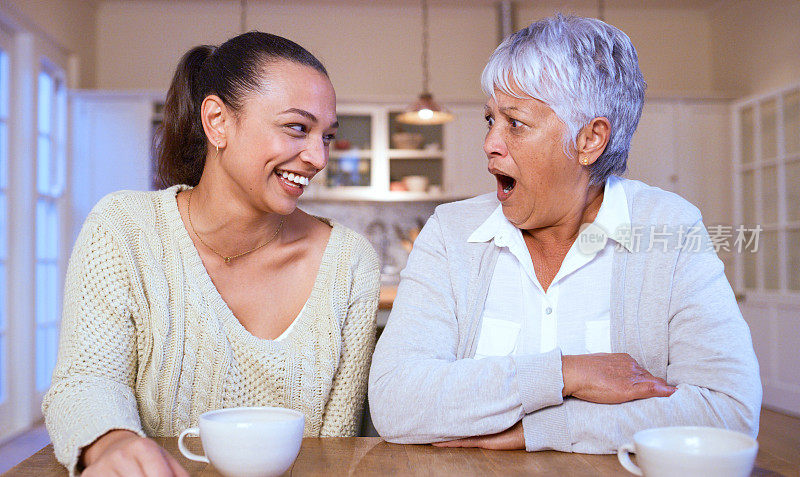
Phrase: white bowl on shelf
(407, 140)
(416, 183)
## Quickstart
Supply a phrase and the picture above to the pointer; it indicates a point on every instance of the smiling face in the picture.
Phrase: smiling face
(279, 139)
(538, 184)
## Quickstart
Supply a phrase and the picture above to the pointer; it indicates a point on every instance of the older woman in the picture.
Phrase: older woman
(574, 307)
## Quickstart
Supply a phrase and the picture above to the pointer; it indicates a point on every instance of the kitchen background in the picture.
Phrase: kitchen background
(82, 82)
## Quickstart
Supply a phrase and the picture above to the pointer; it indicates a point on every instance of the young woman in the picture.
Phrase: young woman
(217, 291)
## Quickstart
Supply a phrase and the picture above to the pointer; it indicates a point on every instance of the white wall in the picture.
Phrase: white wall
(370, 50)
(755, 45)
(673, 44)
(69, 24)
(373, 49)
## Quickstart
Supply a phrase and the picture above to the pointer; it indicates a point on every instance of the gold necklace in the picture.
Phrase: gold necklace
(225, 257)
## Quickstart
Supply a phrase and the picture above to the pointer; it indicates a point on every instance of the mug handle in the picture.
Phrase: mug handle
(192, 431)
(624, 456)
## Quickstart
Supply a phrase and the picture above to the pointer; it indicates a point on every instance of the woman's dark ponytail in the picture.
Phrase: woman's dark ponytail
(229, 71)
(181, 141)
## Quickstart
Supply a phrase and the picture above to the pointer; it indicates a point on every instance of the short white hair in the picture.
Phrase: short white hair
(582, 68)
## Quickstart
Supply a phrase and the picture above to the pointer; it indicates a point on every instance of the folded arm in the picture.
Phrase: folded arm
(710, 361)
(419, 391)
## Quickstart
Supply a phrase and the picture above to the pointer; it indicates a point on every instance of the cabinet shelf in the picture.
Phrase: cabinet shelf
(416, 154)
(359, 153)
(372, 195)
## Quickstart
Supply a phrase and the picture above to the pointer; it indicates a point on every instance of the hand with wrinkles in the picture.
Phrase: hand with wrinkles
(610, 378)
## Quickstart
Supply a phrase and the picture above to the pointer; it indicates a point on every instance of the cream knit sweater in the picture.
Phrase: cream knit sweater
(148, 344)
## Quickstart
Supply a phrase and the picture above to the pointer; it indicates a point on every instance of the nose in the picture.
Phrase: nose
(493, 144)
(315, 153)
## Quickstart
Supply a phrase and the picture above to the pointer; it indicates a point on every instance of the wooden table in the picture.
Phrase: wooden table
(373, 456)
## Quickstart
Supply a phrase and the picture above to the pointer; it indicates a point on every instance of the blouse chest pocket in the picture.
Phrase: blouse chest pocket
(598, 336)
(497, 337)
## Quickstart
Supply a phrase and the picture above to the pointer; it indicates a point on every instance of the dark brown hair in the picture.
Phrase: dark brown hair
(229, 71)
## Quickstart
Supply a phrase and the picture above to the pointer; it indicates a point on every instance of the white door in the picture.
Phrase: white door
(111, 147)
(767, 196)
(652, 155)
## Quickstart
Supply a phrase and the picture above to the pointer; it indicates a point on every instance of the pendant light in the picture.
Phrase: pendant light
(425, 111)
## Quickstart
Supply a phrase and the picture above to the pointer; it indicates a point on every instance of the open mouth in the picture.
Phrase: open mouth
(506, 183)
(293, 178)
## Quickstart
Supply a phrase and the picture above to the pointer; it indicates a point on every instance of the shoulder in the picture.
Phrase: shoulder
(459, 219)
(652, 205)
(128, 205)
(351, 247)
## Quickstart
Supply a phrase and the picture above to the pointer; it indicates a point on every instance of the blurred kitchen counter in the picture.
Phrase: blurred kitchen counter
(388, 292)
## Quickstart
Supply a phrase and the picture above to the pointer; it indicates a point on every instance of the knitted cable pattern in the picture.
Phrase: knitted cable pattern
(148, 344)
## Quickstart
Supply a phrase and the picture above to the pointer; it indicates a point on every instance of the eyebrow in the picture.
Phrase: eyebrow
(308, 115)
(509, 108)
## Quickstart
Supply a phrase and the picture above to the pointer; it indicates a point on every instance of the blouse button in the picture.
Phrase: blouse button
(548, 310)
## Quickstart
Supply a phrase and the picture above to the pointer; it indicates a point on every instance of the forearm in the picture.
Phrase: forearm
(417, 400)
(586, 427)
(348, 393)
(80, 409)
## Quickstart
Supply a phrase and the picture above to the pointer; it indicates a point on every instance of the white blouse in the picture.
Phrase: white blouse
(519, 317)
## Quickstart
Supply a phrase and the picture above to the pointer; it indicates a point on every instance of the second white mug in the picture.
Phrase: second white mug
(689, 450)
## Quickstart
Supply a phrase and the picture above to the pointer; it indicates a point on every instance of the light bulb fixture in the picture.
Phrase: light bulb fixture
(425, 111)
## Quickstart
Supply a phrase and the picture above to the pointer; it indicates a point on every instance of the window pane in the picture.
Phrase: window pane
(3, 154)
(3, 227)
(47, 293)
(3, 373)
(768, 248)
(769, 195)
(46, 353)
(769, 129)
(793, 262)
(41, 360)
(41, 294)
(747, 135)
(749, 198)
(45, 102)
(46, 230)
(54, 293)
(3, 296)
(792, 199)
(791, 122)
(749, 269)
(4, 76)
(44, 165)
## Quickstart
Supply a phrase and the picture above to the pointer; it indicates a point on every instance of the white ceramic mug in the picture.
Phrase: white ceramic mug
(248, 441)
(687, 451)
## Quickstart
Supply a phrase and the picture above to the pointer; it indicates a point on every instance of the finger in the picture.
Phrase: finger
(466, 442)
(154, 463)
(122, 465)
(177, 469)
(652, 387)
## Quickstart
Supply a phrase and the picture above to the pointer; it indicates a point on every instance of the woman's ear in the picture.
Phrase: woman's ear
(213, 114)
(592, 140)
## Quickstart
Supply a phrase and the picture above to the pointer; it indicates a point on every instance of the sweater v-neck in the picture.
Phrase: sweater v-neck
(196, 268)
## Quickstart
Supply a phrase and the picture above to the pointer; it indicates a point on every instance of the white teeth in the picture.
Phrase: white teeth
(296, 178)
